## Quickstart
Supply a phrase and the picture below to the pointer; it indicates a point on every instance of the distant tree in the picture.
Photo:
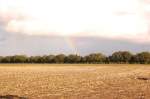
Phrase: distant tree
(19, 59)
(49, 59)
(133, 59)
(35, 59)
(83, 59)
(59, 58)
(1, 58)
(6, 59)
(126, 56)
(31, 59)
(116, 57)
(95, 58)
(142, 58)
(107, 60)
(73, 59)
(121, 57)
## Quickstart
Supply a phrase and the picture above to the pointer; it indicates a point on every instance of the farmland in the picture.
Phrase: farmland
(78, 81)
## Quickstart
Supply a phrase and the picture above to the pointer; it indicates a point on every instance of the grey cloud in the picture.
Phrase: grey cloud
(40, 45)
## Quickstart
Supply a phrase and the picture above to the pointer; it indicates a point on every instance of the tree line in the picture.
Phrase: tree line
(119, 57)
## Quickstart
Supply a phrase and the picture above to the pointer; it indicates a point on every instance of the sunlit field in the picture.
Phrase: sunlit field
(67, 81)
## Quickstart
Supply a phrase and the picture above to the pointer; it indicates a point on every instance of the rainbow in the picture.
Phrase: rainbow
(70, 42)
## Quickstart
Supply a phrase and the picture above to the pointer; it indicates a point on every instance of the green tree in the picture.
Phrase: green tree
(73, 59)
(59, 58)
(83, 60)
(49, 59)
(35, 59)
(121, 57)
(95, 58)
(1, 58)
(142, 58)
(6, 59)
(19, 59)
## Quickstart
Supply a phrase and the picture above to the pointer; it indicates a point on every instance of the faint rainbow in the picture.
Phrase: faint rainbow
(70, 42)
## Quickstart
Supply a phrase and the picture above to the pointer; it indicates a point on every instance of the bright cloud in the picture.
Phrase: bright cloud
(123, 19)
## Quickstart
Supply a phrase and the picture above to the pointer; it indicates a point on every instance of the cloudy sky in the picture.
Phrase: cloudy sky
(37, 27)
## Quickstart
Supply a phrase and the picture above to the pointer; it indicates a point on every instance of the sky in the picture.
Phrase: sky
(37, 27)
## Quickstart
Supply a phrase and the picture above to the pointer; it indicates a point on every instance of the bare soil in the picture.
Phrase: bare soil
(43, 81)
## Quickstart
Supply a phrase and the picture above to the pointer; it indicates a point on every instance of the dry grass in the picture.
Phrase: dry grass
(75, 81)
